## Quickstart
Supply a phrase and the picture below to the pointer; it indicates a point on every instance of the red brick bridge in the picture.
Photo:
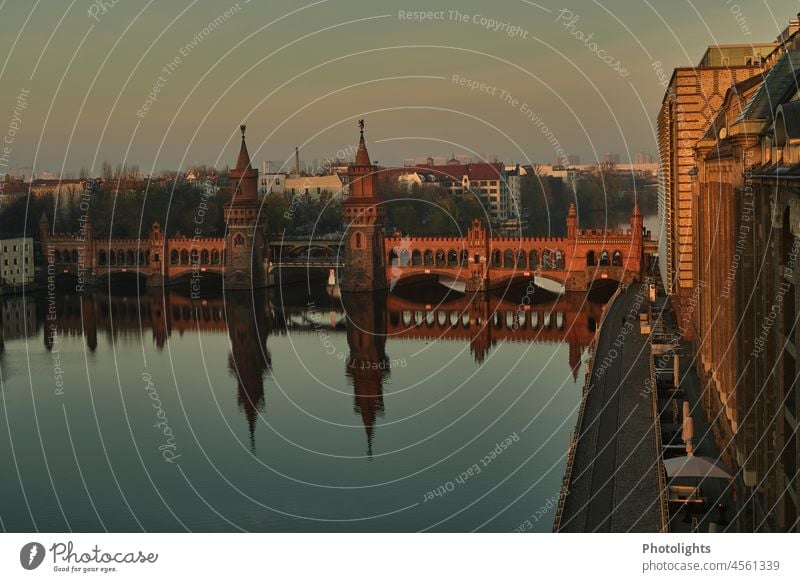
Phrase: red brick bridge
(480, 261)
(156, 258)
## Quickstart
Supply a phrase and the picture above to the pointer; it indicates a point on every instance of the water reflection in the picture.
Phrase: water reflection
(370, 321)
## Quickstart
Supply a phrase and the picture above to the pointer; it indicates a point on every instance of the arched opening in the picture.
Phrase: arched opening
(74, 256)
(464, 258)
(393, 258)
(452, 258)
(616, 259)
(559, 260)
(508, 260)
(522, 260)
(476, 259)
(416, 258)
(533, 260)
(130, 258)
(174, 257)
(112, 258)
(142, 260)
(204, 257)
(591, 260)
(359, 240)
(496, 261)
(102, 258)
(547, 260)
(184, 257)
(604, 259)
(428, 258)
(404, 258)
(215, 257)
(440, 258)
(195, 257)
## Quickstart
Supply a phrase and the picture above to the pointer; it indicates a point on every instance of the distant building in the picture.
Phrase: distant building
(609, 158)
(315, 186)
(269, 181)
(490, 182)
(16, 261)
(642, 158)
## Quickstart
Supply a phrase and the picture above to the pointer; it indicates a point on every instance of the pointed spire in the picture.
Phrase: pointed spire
(243, 162)
(572, 210)
(362, 156)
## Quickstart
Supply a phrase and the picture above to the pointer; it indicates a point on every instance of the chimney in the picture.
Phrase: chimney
(297, 161)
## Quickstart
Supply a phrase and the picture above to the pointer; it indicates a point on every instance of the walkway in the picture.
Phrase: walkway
(613, 485)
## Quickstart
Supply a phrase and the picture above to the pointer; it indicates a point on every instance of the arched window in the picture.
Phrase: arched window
(452, 258)
(440, 258)
(112, 258)
(141, 258)
(184, 257)
(416, 258)
(428, 258)
(238, 240)
(533, 260)
(130, 258)
(404, 258)
(476, 259)
(359, 242)
(174, 257)
(102, 259)
(195, 257)
(616, 259)
(204, 257)
(75, 256)
(559, 260)
(464, 257)
(496, 260)
(215, 257)
(57, 257)
(522, 260)
(604, 259)
(508, 260)
(393, 259)
(591, 260)
(547, 259)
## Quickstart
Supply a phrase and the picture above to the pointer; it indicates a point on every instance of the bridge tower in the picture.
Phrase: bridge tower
(244, 239)
(364, 256)
(576, 256)
(157, 274)
(635, 263)
(478, 256)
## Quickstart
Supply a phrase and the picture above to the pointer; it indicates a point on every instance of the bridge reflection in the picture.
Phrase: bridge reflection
(370, 322)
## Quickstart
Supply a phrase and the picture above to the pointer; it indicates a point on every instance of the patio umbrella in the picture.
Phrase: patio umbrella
(691, 466)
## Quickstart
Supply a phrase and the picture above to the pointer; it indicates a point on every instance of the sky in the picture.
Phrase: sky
(165, 85)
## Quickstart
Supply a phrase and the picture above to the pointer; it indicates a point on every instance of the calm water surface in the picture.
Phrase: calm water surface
(289, 410)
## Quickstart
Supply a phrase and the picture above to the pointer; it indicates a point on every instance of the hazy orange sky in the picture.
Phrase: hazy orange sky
(301, 73)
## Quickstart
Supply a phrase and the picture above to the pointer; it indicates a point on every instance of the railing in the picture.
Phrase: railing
(660, 471)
